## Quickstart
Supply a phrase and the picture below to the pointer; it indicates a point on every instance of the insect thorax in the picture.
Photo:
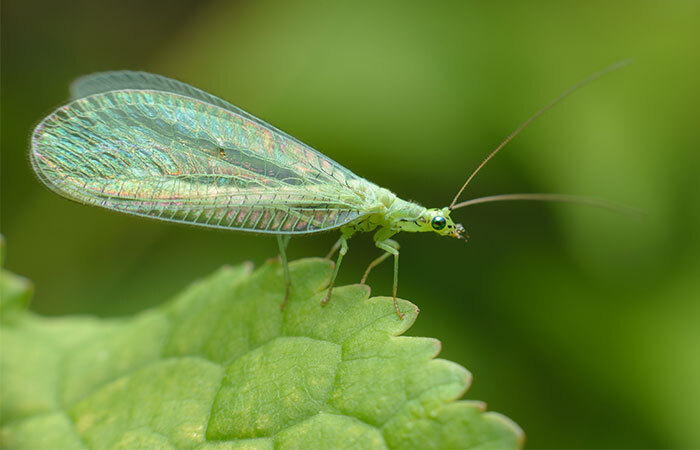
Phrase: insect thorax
(384, 208)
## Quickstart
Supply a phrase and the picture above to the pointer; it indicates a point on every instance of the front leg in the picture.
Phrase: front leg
(382, 241)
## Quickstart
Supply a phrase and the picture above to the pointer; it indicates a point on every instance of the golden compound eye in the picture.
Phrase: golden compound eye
(438, 222)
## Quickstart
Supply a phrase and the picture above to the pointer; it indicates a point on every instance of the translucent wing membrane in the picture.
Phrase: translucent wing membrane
(101, 82)
(185, 158)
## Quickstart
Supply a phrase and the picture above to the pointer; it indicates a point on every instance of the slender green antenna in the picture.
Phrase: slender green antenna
(532, 118)
(587, 201)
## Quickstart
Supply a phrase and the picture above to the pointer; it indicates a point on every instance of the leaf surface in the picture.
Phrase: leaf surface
(220, 366)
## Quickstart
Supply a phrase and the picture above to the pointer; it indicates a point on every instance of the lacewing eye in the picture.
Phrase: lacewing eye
(438, 222)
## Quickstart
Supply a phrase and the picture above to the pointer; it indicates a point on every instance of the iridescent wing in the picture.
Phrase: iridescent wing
(101, 82)
(182, 157)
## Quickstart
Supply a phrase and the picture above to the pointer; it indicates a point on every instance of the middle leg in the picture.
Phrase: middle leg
(334, 249)
(379, 260)
(342, 244)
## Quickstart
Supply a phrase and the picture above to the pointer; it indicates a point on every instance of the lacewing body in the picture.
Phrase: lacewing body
(151, 146)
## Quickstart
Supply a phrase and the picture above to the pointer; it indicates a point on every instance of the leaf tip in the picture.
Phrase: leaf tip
(509, 424)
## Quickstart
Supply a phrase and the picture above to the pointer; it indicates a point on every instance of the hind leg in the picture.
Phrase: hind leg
(283, 242)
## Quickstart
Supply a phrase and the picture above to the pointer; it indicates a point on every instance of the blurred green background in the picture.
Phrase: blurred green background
(581, 325)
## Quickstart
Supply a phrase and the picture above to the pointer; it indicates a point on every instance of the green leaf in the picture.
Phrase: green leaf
(221, 366)
(15, 291)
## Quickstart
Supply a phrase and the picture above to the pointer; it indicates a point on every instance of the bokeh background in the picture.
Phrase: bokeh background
(581, 325)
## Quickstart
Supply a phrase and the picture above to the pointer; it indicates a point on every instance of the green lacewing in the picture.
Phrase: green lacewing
(152, 146)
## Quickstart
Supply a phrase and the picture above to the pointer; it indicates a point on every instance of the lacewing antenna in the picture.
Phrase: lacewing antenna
(587, 201)
(532, 118)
